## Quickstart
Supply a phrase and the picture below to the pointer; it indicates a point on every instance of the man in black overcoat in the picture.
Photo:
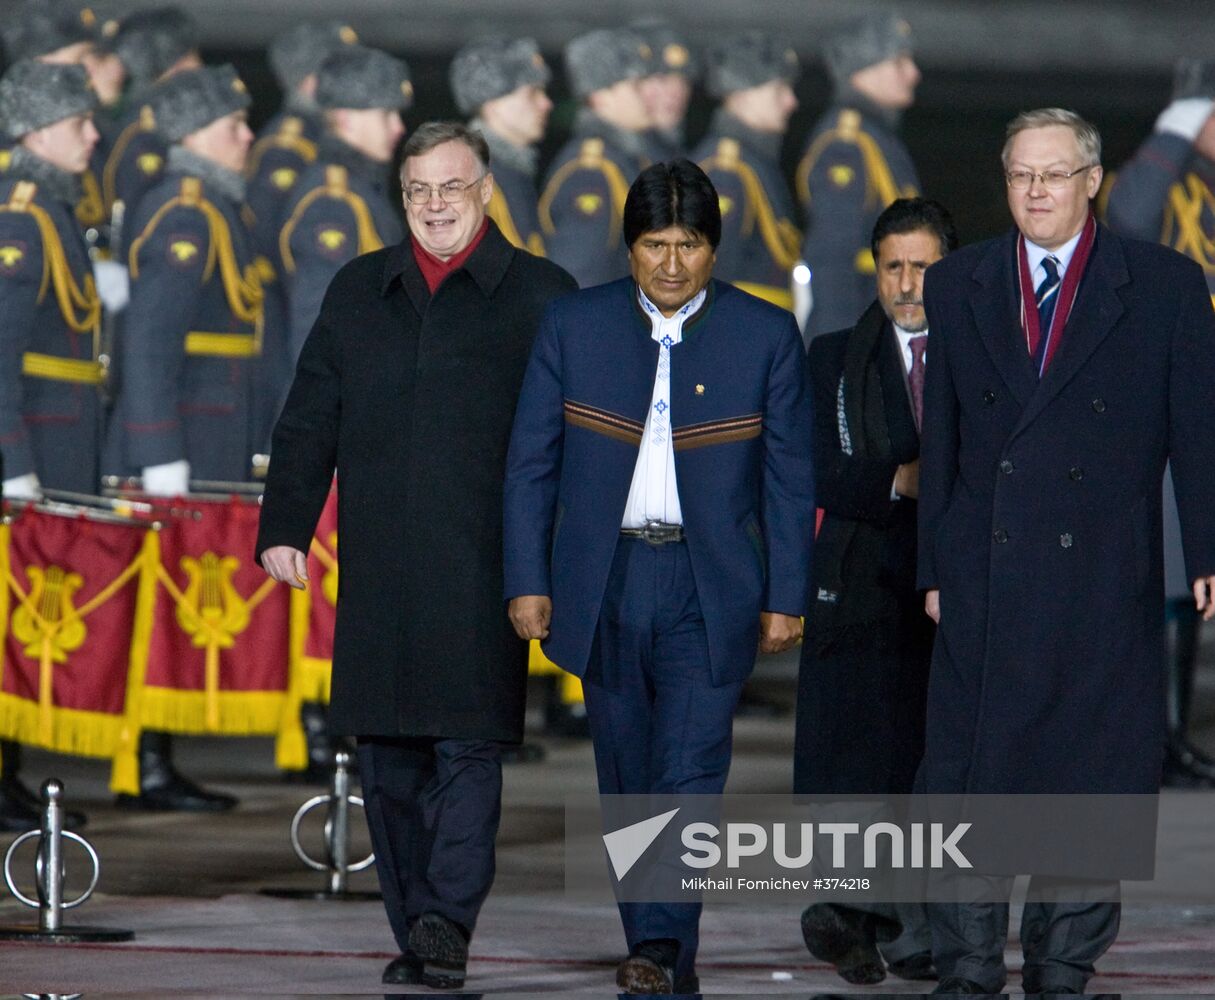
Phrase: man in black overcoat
(1068, 365)
(406, 387)
(864, 667)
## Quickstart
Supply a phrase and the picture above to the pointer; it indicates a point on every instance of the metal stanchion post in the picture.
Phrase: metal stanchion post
(50, 871)
(337, 866)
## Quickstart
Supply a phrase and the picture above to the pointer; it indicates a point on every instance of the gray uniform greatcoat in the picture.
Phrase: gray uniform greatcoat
(410, 397)
(1040, 517)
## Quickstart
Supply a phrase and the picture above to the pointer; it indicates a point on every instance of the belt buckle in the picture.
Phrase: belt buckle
(652, 533)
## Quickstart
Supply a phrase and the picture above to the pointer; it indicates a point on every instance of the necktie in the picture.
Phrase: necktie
(915, 377)
(1046, 295)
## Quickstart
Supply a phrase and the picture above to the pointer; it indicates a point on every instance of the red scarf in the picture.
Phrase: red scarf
(435, 270)
(1066, 293)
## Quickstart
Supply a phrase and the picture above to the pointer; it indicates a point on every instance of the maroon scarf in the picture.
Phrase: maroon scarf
(1067, 295)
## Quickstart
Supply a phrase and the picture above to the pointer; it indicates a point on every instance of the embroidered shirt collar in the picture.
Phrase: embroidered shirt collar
(663, 327)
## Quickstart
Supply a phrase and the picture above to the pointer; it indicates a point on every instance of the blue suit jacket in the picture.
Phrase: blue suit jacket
(741, 421)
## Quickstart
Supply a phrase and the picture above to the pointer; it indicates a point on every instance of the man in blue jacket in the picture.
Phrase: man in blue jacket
(661, 454)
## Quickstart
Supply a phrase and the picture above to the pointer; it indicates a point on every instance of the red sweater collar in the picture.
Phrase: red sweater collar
(435, 270)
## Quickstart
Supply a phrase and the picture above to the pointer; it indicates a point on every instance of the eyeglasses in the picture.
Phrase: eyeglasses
(1023, 180)
(450, 193)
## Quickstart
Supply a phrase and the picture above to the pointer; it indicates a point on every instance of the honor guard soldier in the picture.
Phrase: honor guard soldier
(501, 84)
(283, 150)
(152, 46)
(583, 200)
(194, 322)
(752, 75)
(1166, 194)
(341, 206)
(191, 331)
(855, 165)
(50, 316)
(667, 88)
(49, 404)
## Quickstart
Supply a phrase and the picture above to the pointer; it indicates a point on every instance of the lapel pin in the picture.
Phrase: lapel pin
(700, 389)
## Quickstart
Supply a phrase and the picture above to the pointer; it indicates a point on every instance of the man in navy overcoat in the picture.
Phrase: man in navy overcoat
(659, 515)
(1069, 365)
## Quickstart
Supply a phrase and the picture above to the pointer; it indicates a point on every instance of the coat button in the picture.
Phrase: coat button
(1006, 467)
(1075, 473)
(1099, 405)
(1065, 540)
(989, 397)
(1000, 535)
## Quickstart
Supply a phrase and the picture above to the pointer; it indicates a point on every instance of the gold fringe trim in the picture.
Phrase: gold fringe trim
(90, 734)
(241, 713)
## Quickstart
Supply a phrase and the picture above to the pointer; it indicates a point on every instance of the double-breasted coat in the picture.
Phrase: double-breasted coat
(410, 398)
(1040, 517)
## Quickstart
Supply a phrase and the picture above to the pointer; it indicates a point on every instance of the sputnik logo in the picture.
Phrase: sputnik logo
(626, 845)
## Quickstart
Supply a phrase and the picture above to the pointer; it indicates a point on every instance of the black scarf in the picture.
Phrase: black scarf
(848, 552)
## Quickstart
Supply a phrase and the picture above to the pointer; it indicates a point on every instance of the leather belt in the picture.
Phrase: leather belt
(655, 533)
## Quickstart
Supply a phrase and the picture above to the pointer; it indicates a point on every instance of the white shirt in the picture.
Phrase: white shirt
(654, 494)
(1035, 254)
(905, 343)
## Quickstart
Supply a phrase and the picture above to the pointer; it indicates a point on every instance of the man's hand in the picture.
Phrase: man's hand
(1204, 596)
(531, 615)
(932, 605)
(778, 632)
(907, 479)
(286, 565)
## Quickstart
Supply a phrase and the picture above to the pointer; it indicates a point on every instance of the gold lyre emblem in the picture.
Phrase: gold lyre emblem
(213, 613)
(48, 622)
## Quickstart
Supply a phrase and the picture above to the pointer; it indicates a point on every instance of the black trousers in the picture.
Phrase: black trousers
(1065, 927)
(433, 807)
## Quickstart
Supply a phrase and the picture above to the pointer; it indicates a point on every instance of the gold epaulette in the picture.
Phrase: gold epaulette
(191, 192)
(23, 194)
(590, 154)
(849, 124)
(289, 135)
(337, 181)
(728, 153)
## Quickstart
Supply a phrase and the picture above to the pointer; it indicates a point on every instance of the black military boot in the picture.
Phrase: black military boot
(314, 717)
(20, 808)
(162, 788)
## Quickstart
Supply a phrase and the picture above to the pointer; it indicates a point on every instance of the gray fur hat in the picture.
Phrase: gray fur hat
(601, 58)
(494, 67)
(669, 47)
(1194, 78)
(358, 77)
(34, 95)
(880, 36)
(298, 51)
(149, 42)
(193, 99)
(749, 60)
(39, 27)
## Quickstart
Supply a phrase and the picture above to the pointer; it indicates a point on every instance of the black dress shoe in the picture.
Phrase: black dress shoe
(956, 984)
(650, 969)
(405, 969)
(442, 945)
(687, 985)
(918, 966)
(845, 938)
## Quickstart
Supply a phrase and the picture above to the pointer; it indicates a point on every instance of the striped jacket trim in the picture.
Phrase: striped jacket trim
(718, 432)
(604, 422)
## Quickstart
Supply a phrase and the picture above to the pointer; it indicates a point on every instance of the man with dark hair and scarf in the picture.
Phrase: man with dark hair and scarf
(864, 665)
